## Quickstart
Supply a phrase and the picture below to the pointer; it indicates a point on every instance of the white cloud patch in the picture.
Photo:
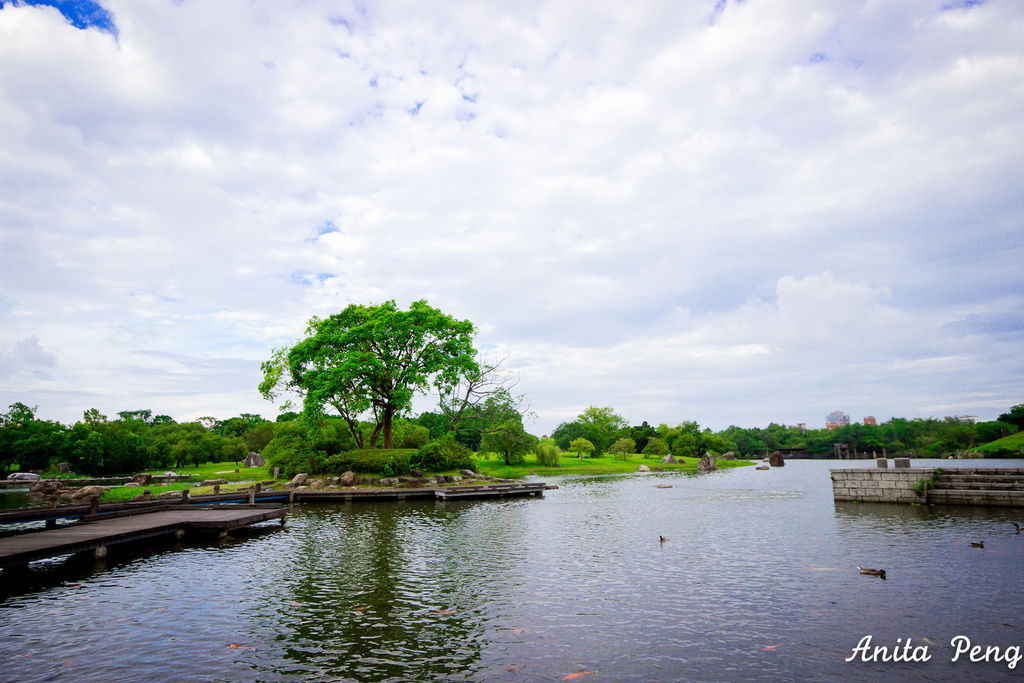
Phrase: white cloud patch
(761, 213)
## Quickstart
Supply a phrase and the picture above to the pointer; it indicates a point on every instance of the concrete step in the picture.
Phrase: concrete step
(976, 497)
(979, 485)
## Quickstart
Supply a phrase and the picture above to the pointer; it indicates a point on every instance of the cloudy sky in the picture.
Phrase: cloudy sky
(734, 213)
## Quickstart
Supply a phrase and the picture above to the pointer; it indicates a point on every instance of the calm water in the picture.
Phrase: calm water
(757, 580)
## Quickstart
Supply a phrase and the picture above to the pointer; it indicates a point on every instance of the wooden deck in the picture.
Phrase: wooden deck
(97, 532)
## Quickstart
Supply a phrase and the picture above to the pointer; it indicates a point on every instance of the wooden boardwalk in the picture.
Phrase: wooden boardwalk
(98, 532)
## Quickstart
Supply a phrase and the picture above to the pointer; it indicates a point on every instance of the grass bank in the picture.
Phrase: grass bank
(1011, 446)
(493, 465)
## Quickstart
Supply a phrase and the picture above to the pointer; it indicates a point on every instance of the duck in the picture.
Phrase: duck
(662, 539)
(880, 573)
(979, 544)
(1016, 526)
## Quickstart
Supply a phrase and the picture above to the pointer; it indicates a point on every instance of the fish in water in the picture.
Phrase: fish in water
(979, 544)
(872, 572)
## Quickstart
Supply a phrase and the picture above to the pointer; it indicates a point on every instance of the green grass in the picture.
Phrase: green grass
(1013, 442)
(221, 470)
(493, 465)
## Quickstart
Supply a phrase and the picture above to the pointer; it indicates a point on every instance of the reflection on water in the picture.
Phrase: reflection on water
(757, 578)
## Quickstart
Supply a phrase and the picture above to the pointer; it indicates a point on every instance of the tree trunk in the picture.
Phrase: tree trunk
(389, 414)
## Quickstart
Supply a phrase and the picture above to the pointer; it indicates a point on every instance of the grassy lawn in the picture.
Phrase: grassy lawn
(222, 470)
(494, 465)
(1013, 442)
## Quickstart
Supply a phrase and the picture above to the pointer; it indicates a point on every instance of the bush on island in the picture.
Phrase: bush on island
(443, 454)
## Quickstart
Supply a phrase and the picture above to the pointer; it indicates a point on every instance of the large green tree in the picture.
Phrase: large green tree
(372, 360)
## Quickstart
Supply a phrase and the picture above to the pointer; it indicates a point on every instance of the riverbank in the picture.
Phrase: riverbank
(605, 464)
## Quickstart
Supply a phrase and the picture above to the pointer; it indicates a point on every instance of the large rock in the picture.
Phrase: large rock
(707, 463)
(143, 479)
(89, 491)
(213, 482)
(253, 459)
(467, 473)
(23, 476)
(777, 460)
(299, 479)
(64, 467)
(643, 468)
(317, 484)
(45, 486)
(347, 478)
(669, 458)
(728, 455)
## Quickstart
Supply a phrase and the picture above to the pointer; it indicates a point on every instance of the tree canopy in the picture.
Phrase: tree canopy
(372, 360)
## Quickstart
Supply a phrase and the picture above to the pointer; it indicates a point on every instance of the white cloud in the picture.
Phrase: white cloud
(763, 213)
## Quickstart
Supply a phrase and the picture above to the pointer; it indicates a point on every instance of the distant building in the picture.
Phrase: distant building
(836, 418)
(966, 419)
(870, 420)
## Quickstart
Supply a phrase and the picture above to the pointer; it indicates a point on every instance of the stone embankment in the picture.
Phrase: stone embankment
(1003, 487)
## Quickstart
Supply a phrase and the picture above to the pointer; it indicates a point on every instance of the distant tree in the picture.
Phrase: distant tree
(623, 447)
(233, 448)
(655, 446)
(259, 436)
(581, 447)
(145, 416)
(511, 442)
(1014, 416)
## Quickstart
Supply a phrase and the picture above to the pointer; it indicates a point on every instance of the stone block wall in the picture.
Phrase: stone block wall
(879, 485)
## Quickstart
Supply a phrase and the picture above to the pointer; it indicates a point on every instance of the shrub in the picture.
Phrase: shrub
(547, 453)
(443, 454)
(388, 462)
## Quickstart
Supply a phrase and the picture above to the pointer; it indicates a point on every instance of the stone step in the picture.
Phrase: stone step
(976, 497)
(980, 485)
(981, 478)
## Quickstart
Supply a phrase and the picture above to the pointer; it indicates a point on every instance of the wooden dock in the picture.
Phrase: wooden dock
(97, 532)
(343, 495)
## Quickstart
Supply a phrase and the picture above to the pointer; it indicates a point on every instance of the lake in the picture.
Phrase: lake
(757, 579)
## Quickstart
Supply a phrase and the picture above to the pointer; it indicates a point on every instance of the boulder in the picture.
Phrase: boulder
(214, 482)
(762, 467)
(659, 469)
(253, 459)
(669, 458)
(23, 476)
(416, 473)
(89, 491)
(728, 455)
(663, 486)
(347, 478)
(643, 468)
(167, 494)
(45, 487)
(467, 473)
(777, 460)
(64, 467)
(317, 485)
(169, 474)
(132, 485)
(143, 479)
(299, 479)
(707, 463)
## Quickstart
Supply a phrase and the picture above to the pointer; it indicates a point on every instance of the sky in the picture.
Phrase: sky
(728, 212)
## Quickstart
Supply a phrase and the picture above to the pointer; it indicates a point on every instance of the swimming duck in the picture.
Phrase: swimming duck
(662, 539)
(979, 544)
(880, 573)
(1016, 526)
